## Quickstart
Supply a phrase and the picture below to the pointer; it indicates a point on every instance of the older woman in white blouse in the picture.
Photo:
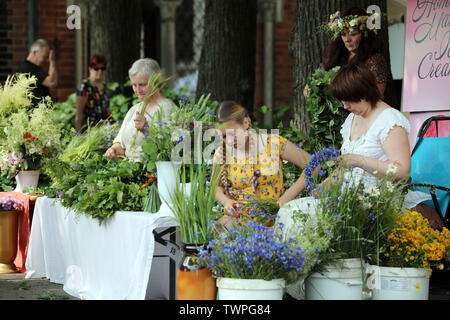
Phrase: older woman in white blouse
(135, 121)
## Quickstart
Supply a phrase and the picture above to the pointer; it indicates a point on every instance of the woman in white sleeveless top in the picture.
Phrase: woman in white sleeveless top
(375, 136)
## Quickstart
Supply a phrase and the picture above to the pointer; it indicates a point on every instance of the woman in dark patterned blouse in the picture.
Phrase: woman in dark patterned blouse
(92, 100)
(356, 43)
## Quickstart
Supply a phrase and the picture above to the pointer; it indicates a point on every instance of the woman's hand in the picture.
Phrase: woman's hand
(283, 200)
(111, 153)
(140, 122)
(230, 206)
(115, 151)
(350, 160)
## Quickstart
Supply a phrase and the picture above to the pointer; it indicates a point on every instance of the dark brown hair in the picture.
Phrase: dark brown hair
(96, 60)
(336, 54)
(355, 82)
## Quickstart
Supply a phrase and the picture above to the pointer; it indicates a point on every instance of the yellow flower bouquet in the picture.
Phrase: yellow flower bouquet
(412, 243)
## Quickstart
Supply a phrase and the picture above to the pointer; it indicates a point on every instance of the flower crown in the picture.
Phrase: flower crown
(336, 24)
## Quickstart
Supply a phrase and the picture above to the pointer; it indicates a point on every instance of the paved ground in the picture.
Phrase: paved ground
(16, 287)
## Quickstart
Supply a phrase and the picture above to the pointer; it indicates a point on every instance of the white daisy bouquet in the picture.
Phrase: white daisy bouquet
(363, 211)
(30, 139)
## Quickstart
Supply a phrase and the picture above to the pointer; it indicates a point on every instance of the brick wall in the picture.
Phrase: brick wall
(5, 55)
(52, 27)
(18, 32)
(283, 64)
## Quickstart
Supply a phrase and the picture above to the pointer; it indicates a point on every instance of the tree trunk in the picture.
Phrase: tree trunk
(114, 31)
(227, 62)
(306, 44)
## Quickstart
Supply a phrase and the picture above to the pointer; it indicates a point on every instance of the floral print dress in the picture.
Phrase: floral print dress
(258, 177)
(97, 106)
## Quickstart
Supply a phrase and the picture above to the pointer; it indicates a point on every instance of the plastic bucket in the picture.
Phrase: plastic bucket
(337, 283)
(402, 284)
(167, 179)
(249, 289)
(28, 178)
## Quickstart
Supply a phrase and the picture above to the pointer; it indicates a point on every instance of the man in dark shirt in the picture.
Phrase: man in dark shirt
(39, 55)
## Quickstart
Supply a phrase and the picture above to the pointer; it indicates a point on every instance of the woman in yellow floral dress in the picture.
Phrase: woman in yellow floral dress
(252, 162)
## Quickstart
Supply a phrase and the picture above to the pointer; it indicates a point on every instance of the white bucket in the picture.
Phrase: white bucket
(402, 284)
(27, 178)
(336, 283)
(167, 179)
(249, 289)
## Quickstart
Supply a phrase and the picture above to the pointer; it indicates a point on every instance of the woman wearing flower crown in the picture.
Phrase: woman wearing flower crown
(353, 41)
(252, 162)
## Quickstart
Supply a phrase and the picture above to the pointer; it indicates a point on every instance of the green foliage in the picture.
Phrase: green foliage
(194, 209)
(98, 187)
(152, 203)
(325, 111)
(16, 94)
(65, 112)
(314, 237)
(95, 140)
(6, 183)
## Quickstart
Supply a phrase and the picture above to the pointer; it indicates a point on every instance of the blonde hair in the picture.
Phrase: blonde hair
(229, 111)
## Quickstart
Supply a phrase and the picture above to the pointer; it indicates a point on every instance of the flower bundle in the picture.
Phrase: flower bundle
(363, 212)
(414, 244)
(314, 236)
(10, 162)
(31, 139)
(16, 94)
(325, 158)
(96, 139)
(9, 203)
(262, 211)
(165, 139)
(336, 24)
(325, 111)
(253, 251)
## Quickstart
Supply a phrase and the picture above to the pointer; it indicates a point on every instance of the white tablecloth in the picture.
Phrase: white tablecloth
(108, 261)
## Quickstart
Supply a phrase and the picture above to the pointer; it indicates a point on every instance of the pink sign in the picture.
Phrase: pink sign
(426, 82)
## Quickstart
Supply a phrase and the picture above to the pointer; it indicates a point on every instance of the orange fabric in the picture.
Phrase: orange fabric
(24, 229)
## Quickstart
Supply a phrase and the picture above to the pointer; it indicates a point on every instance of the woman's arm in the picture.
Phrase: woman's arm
(300, 158)
(220, 195)
(396, 147)
(80, 103)
(228, 204)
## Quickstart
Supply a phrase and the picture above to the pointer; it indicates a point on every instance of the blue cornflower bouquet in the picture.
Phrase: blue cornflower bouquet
(253, 251)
